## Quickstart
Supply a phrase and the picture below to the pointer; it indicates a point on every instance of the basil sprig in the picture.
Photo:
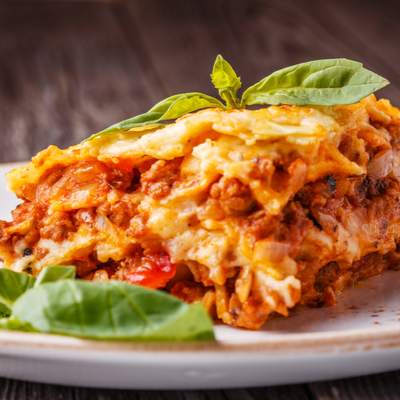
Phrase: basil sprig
(320, 83)
(55, 302)
(55, 273)
(171, 108)
(13, 285)
(226, 81)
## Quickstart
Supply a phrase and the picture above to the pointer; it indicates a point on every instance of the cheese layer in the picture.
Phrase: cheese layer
(250, 212)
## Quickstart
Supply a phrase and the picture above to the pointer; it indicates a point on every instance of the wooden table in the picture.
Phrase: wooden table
(71, 68)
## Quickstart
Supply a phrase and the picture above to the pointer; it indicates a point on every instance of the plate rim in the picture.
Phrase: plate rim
(351, 340)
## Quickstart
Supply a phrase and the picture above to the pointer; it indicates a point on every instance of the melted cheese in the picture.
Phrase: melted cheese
(214, 144)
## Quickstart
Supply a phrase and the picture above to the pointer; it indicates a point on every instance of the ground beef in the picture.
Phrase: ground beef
(159, 180)
(57, 226)
(234, 198)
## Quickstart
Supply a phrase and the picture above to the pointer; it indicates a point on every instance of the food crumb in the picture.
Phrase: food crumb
(27, 252)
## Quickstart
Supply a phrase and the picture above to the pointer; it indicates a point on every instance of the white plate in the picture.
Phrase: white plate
(359, 336)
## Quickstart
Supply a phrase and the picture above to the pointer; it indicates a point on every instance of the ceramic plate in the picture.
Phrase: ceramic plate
(359, 336)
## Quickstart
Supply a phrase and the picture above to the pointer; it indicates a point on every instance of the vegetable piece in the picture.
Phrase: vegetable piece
(55, 273)
(381, 165)
(56, 303)
(110, 310)
(170, 108)
(225, 79)
(12, 285)
(323, 83)
(154, 272)
(4, 310)
(13, 324)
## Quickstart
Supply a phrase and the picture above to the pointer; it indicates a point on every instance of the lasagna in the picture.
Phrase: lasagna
(250, 212)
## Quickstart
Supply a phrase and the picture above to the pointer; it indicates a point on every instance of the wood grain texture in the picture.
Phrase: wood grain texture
(66, 72)
(378, 387)
(259, 37)
(375, 387)
(71, 68)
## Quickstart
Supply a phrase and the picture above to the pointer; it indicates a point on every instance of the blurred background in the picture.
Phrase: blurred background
(71, 68)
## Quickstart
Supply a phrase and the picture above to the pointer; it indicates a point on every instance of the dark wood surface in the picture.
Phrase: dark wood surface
(71, 68)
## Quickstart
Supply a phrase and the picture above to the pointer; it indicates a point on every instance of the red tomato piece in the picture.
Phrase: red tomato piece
(154, 272)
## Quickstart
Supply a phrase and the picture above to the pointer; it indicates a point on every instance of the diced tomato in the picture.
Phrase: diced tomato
(154, 272)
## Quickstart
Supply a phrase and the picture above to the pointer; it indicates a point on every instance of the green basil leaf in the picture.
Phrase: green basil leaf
(13, 285)
(223, 75)
(171, 108)
(111, 310)
(225, 79)
(55, 273)
(324, 83)
(4, 310)
(14, 324)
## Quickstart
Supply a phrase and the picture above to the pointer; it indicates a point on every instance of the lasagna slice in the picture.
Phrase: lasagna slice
(248, 212)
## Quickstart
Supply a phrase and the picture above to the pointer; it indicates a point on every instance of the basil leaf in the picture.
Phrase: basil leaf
(186, 103)
(4, 310)
(14, 324)
(55, 273)
(171, 108)
(225, 79)
(224, 76)
(323, 83)
(111, 310)
(13, 285)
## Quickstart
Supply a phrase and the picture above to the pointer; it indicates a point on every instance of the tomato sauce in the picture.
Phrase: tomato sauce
(154, 272)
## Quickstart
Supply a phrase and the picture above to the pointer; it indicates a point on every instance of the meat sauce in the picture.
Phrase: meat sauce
(149, 268)
(107, 189)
